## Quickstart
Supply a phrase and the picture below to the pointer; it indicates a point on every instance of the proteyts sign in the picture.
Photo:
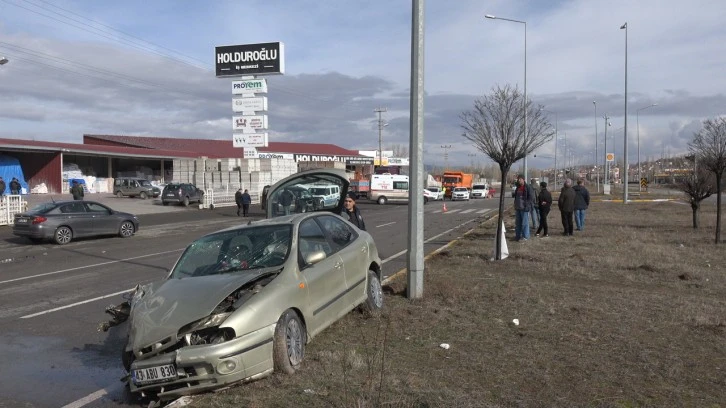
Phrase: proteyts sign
(250, 59)
(249, 86)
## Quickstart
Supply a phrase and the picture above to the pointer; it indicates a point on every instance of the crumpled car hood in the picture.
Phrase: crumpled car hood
(169, 305)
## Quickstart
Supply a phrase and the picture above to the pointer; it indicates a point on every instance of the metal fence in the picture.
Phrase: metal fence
(223, 198)
(9, 206)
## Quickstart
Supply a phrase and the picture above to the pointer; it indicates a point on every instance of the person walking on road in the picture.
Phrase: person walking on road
(582, 202)
(523, 196)
(544, 199)
(246, 201)
(351, 211)
(77, 191)
(238, 200)
(566, 202)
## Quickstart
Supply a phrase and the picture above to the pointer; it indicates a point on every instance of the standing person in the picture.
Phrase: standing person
(523, 205)
(534, 214)
(566, 202)
(351, 211)
(238, 200)
(77, 191)
(582, 201)
(544, 198)
(15, 186)
(286, 199)
(2, 188)
(246, 201)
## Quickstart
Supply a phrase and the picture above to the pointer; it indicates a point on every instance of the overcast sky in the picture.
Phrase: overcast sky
(147, 68)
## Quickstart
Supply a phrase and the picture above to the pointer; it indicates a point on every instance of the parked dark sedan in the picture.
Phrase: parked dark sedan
(182, 193)
(62, 221)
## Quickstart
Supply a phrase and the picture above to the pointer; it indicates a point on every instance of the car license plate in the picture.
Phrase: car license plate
(154, 374)
(21, 220)
(170, 194)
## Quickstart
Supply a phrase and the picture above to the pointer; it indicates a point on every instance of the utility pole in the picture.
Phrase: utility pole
(379, 111)
(446, 156)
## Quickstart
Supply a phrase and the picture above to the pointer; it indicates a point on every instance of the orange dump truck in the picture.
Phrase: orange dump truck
(452, 179)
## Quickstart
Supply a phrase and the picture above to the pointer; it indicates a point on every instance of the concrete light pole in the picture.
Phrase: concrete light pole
(625, 131)
(446, 156)
(381, 125)
(524, 105)
(637, 126)
(556, 136)
(597, 172)
(606, 180)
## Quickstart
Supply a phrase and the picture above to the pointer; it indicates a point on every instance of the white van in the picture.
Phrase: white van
(389, 187)
(328, 194)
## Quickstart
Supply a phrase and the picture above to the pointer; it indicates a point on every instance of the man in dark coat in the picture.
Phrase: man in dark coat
(351, 211)
(246, 201)
(15, 186)
(523, 198)
(566, 202)
(582, 201)
(77, 191)
(238, 200)
(286, 200)
(544, 198)
(2, 187)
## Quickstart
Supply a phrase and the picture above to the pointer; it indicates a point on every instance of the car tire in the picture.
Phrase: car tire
(143, 195)
(119, 194)
(288, 344)
(185, 202)
(127, 229)
(426, 200)
(374, 295)
(63, 235)
(382, 200)
(164, 203)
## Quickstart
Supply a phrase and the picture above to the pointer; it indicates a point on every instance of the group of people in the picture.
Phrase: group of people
(243, 201)
(15, 187)
(533, 205)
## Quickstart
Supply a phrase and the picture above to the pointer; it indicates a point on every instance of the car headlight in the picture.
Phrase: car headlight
(207, 331)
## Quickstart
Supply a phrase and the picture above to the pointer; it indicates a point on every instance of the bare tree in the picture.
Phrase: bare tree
(709, 147)
(496, 127)
(698, 187)
(399, 150)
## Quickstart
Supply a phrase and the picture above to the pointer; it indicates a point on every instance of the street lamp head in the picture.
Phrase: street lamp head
(490, 16)
(3, 60)
(624, 26)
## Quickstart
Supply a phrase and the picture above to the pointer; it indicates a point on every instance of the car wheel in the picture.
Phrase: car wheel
(127, 229)
(143, 195)
(185, 203)
(426, 200)
(164, 203)
(382, 200)
(119, 194)
(374, 295)
(63, 235)
(288, 347)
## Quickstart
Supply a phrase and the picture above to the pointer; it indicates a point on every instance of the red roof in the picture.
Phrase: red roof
(216, 148)
(122, 151)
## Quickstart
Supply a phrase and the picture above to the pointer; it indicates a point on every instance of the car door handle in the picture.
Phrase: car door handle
(338, 265)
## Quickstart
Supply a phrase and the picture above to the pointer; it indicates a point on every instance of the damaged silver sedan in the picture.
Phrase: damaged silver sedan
(243, 302)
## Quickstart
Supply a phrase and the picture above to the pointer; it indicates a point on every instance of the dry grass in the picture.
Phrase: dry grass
(630, 312)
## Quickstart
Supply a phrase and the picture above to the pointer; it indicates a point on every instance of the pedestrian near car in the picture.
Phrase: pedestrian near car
(544, 199)
(582, 202)
(523, 196)
(77, 191)
(566, 202)
(286, 199)
(534, 214)
(238, 200)
(15, 186)
(351, 211)
(246, 201)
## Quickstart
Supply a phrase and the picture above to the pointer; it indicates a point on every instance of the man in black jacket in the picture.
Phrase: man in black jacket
(582, 201)
(238, 200)
(351, 212)
(544, 198)
(2, 188)
(15, 186)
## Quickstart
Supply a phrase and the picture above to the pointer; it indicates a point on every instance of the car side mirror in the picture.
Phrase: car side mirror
(314, 257)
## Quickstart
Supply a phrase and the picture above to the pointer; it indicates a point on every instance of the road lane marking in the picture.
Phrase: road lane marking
(87, 399)
(383, 225)
(483, 211)
(454, 210)
(88, 266)
(75, 304)
(468, 211)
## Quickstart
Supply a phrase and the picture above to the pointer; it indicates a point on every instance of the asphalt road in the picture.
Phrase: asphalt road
(53, 297)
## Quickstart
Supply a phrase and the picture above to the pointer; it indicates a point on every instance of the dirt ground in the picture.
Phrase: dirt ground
(631, 312)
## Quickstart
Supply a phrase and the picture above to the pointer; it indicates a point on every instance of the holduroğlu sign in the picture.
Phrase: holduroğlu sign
(250, 59)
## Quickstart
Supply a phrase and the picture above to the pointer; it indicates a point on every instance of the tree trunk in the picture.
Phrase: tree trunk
(695, 206)
(718, 207)
(498, 239)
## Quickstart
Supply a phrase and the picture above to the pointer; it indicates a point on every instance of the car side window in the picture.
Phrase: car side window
(311, 238)
(340, 233)
(96, 208)
(71, 208)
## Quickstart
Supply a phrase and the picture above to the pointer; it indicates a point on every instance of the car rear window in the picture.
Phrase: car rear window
(479, 187)
(171, 186)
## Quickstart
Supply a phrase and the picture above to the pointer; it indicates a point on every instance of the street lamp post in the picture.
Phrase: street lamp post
(606, 180)
(597, 172)
(446, 156)
(637, 126)
(556, 134)
(626, 166)
(524, 105)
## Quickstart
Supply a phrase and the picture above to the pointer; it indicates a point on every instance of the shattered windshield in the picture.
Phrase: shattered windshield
(237, 250)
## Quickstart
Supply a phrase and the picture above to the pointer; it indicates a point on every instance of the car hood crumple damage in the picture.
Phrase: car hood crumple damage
(167, 306)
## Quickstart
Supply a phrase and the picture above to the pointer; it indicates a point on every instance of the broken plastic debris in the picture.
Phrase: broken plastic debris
(516, 322)
(308, 391)
(444, 346)
(180, 402)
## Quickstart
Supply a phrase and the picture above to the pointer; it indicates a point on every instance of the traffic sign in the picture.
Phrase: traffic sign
(610, 157)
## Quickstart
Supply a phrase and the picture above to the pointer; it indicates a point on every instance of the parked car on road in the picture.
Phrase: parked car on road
(303, 201)
(134, 187)
(460, 193)
(63, 221)
(243, 302)
(479, 191)
(432, 194)
(182, 193)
